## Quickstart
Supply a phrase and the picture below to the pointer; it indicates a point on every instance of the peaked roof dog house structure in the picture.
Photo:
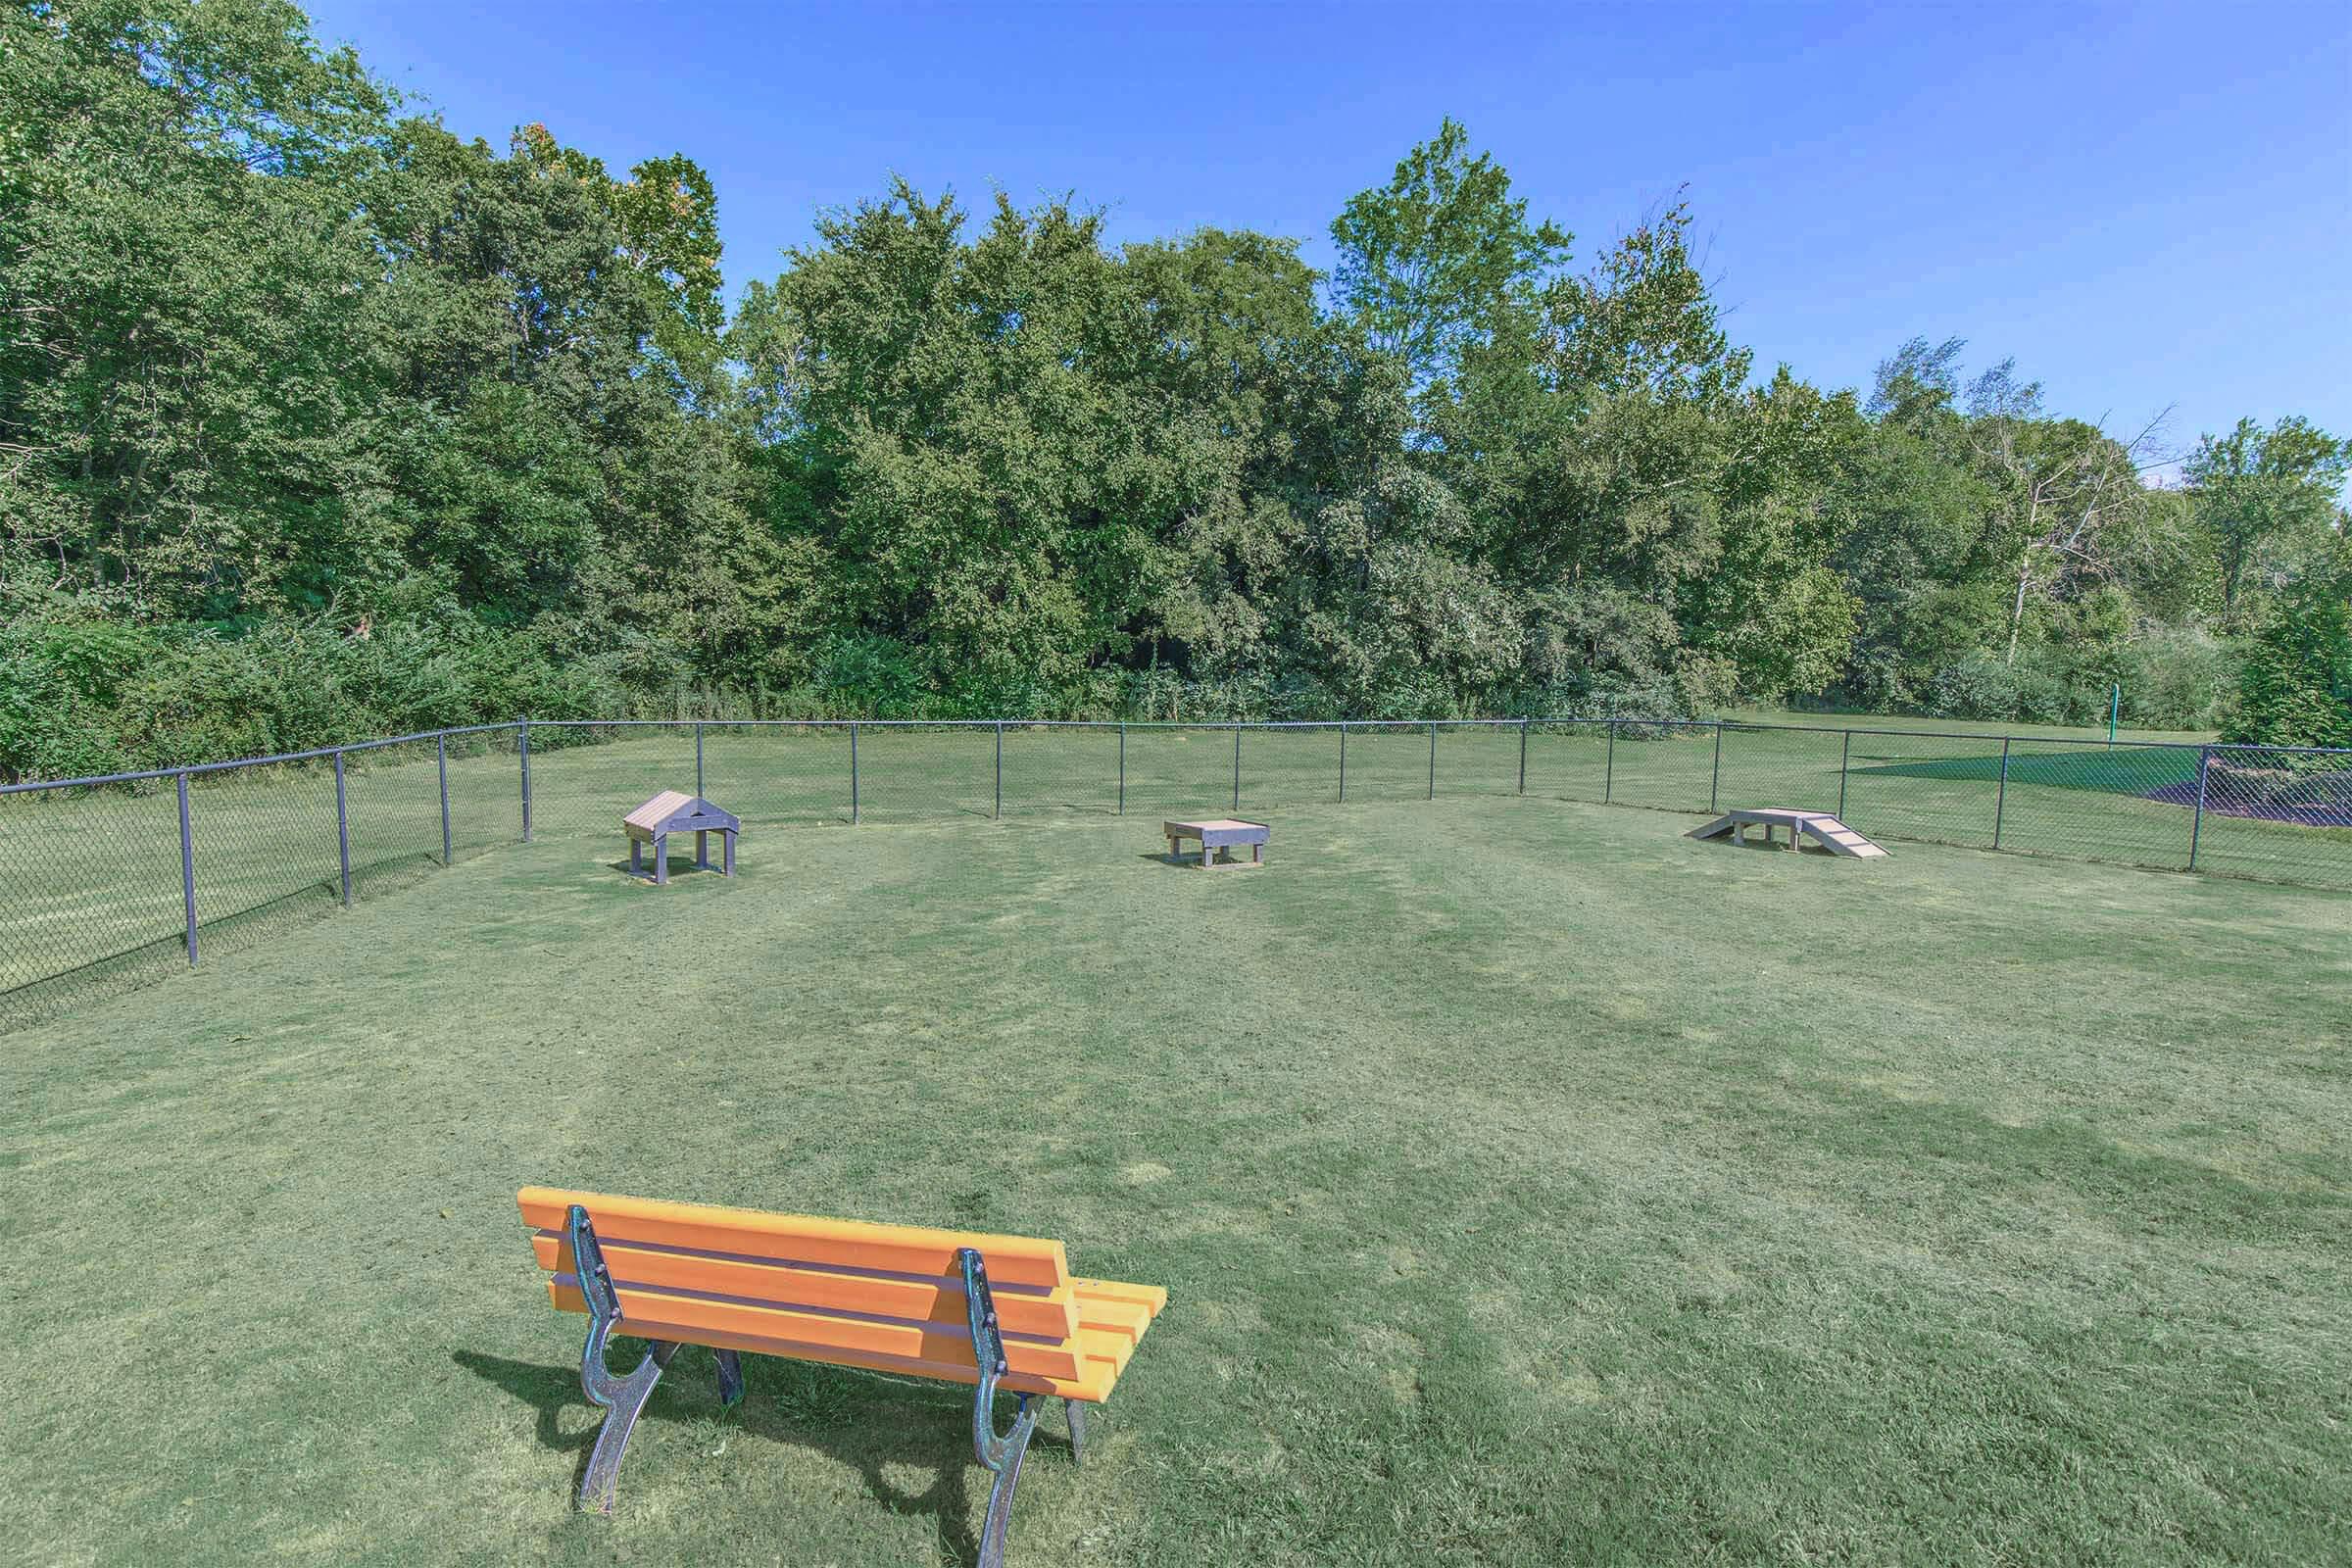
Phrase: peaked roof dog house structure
(673, 812)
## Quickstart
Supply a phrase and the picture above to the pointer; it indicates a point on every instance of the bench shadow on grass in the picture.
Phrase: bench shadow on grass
(864, 1420)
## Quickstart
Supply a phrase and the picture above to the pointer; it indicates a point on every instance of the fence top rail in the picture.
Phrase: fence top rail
(39, 786)
(1056, 723)
(1986, 735)
(1990, 737)
(193, 769)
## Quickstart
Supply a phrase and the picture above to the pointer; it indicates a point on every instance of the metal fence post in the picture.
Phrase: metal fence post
(441, 761)
(697, 758)
(1523, 757)
(526, 778)
(1845, 750)
(1433, 758)
(852, 774)
(1122, 767)
(1343, 762)
(2197, 825)
(187, 868)
(1608, 777)
(1715, 780)
(2000, 800)
(1236, 766)
(999, 808)
(342, 830)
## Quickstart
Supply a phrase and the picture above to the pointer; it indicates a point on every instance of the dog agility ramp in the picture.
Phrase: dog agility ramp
(1819, 827)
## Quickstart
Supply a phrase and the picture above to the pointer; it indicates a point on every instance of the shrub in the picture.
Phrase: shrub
(2177, 680)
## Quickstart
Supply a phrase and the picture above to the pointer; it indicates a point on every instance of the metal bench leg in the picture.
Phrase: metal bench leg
(1002, 1455)
(1077, 1414)
(623, 1399)
(999, 1496)
(730, 1379)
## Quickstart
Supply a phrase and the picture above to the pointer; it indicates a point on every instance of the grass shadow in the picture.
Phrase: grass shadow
(681, 865)
(1822, 850)
(865, 1421)
(1190, 860)
(132, 969)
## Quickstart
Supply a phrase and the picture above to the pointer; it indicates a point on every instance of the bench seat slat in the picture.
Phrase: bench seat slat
(1052, 1315)
(1126, 1319)
(798, 1238)
(1150, 1298)
(1103, 1350)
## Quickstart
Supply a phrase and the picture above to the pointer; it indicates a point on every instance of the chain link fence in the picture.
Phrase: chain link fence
(117, 881)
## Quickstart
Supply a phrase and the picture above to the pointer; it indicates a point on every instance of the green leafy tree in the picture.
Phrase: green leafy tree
(2295, 684)
(1443, 258)
(2266, 500)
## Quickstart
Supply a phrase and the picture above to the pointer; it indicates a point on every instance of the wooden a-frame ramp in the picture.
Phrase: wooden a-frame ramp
(1820, 826)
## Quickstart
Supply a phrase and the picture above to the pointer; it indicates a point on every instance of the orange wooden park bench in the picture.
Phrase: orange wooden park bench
(997, 1311)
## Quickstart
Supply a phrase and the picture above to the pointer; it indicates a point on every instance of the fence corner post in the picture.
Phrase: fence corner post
(1608, 777)
(1845, 750)
(1122, 767)
(187, 867)
(526, 778)
(1523, 757)
(1237, 765)
(1433, 758)
(441, 762)
(342, 830)
(1343, 762)
(1715, 779)
(2000, 799)
(853, 772)
(998, 810)
(698, 757)
(2197, 825)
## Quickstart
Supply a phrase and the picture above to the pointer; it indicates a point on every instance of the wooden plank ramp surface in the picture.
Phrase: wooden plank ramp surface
(1819, 827)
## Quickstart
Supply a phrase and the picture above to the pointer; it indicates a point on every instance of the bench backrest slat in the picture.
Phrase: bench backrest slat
(750, 1233)
(1021, 1309)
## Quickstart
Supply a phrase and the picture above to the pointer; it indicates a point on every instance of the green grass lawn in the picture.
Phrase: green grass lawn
(1532, 1185)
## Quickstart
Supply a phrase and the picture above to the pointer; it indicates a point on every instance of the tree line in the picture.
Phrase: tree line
(318, 420)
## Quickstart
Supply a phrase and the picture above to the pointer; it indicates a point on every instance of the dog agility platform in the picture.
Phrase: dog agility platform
(1819, 827)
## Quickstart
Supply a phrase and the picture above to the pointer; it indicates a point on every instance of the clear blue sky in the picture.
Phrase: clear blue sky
(2147, 206)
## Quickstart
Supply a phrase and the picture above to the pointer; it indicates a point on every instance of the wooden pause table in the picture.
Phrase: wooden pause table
(1225, 833)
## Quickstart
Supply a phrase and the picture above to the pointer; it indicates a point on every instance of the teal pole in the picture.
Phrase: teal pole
(2115, 708)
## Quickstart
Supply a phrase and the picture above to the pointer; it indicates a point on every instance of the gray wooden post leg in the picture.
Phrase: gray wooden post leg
(702, 849)
(727, 846)
(1077, 1412)
(634, 868)
(662, 860)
